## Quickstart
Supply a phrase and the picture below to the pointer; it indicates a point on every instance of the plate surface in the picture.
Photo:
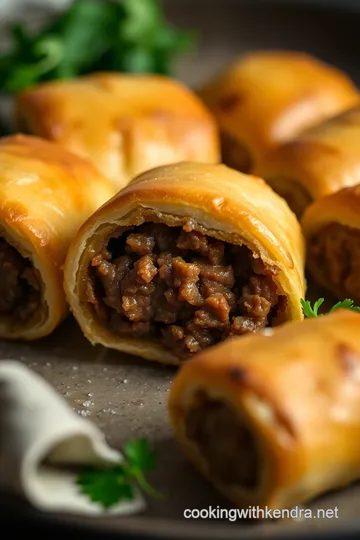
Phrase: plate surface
(126, 396)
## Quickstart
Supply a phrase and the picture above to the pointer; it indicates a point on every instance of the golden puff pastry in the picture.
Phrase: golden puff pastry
(265, 98)
(321, 161)
(46, 194)
(125, 124)
(183, 257)
(274, 420)
(332, 230)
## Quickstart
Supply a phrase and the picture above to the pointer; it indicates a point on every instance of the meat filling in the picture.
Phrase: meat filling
(335, 254)
(20, 293)
(225, 442)
(184, 288)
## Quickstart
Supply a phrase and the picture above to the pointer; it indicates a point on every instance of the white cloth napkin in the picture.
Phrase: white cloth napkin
(41, 438)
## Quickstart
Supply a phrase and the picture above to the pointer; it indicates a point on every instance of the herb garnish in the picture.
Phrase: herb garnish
(109, 486)
(92, 35)
(310, 311)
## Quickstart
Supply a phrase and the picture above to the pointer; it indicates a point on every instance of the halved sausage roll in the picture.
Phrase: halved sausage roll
(46, 194)
(125, 124)
(274, 420)
(321, 161)
(265, 98)
(331, 226)
(183, 257)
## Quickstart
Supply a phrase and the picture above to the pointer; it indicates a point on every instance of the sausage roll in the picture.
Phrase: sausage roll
(332, 229)
(266, 98)
(321, 161)
(274, 420)
(46, 194)
(183, 257)
(126, 124)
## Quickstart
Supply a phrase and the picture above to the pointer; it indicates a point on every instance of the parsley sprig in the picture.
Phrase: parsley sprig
(91, 35)
(313, 311)
(112, 485)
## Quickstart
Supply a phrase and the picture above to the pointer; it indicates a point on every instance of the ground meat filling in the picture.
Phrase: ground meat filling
(182, 287)
(335, 253)
(20, 293)
(225, 442)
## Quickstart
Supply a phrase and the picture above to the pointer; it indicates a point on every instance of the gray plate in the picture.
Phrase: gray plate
(126, 396)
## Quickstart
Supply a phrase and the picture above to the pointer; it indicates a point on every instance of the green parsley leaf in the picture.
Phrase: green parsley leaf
(110, 486)
(143, 19)
(20, 36)
(137, 60)
(310, 311)
(106, 486)
(140, 459)
(86, 31)
(346, 304)
(23, 77)
(139, 454)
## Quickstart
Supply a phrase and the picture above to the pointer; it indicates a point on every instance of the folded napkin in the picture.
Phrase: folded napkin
(41, 441)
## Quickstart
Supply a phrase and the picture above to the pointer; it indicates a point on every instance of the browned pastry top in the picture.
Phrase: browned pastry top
(265, 98)
(46, 194)
(125, 123)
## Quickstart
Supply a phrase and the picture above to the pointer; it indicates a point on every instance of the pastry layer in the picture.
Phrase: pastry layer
(123, 123)
(272, 419)
(46, 193)
(265, 98)
(321, 161)
(183, 257)
(335, 252)
(331, 228)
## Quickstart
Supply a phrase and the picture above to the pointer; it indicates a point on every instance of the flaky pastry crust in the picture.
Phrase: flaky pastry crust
(46, 194)
(341, 209)
(297, 391)
(265, 98)
(124, 123)
(216, 201)
(319, 162)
